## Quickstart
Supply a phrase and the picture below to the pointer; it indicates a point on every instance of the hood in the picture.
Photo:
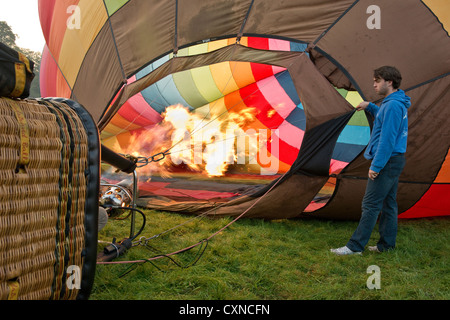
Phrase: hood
(399, 96)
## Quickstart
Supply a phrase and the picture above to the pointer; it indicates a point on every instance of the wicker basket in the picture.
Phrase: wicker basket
(49, 178)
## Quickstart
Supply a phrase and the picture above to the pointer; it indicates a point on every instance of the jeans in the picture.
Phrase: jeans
(380, 196)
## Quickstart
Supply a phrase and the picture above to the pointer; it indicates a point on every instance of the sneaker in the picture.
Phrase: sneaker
(373, 249)
(344, 251)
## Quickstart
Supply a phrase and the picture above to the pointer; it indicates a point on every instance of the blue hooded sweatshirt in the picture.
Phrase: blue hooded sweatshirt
(390, 130)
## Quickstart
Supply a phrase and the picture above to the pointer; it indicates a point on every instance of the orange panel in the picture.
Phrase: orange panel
(444, 174)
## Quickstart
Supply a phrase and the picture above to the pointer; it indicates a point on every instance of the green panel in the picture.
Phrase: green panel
(205, 83)
(359, 119)
(353, 97)
(202, 76)
(114, 5)
(342, 92)
(188, 89)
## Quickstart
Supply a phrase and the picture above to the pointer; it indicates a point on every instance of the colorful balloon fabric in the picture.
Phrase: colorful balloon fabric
(288, 74)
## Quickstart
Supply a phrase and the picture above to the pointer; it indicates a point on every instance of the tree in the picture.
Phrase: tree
(8, 37)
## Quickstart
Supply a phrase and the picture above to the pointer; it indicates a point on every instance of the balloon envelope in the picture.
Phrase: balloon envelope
(293, 70)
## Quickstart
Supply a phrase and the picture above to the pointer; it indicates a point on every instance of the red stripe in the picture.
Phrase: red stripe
(267, 115)
(435, 202)
(286, 154)
(45, 16)
(162, 189)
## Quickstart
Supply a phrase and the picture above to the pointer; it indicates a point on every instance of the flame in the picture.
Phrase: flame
(270, 113)
(205, 144)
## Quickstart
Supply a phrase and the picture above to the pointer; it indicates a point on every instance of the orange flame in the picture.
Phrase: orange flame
(203, 144)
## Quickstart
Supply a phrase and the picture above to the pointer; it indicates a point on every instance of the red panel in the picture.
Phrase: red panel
(286, 154)
(52, 83)
(54, 23)
(253, 98)
(48, 83)
(129, 113)
(261, 71)
(46, 15)
(435, 202)
(258, 43)
(163, 189)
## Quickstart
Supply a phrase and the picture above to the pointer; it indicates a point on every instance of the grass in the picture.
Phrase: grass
(272, 260)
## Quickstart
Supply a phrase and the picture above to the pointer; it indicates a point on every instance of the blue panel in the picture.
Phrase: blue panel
(355, 135)
(346, 152)
(160, 61)
(295, 46)
(351, 141)
(151, 94)
(297, 117)
(284, 78)
(169, 91)
(163, 93)
(154, 98)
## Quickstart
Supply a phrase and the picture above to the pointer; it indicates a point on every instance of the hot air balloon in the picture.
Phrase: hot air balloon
(278, 81)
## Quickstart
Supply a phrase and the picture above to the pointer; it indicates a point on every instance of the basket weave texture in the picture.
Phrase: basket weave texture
(43, 159)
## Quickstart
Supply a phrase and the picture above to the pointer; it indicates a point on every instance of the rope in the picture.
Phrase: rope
(160, 156)
(201, 241)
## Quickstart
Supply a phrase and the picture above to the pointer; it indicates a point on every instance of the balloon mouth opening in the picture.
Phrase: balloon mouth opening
(209, 157)
(214, 152)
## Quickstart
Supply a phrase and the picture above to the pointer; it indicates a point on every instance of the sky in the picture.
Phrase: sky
(23, 18)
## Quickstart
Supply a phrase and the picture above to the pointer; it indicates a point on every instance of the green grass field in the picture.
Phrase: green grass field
(272, 260)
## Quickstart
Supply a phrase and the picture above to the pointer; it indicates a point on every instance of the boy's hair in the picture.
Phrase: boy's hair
(389, 73)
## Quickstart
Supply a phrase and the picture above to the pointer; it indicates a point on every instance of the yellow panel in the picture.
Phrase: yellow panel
(110, 130)
(181, 53)
(123, 123)
(105, 135)
(202, 76)
(223, 77)
(198, 49)
(353, 98)
(110, 142)
(441, 9)
(118, 143)
(215, 109)
(214, 45)
(242, 72)
(221, 71)
(244, 41)
(204, 112)
(205, 83)
(78, 40)
(123, 140)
